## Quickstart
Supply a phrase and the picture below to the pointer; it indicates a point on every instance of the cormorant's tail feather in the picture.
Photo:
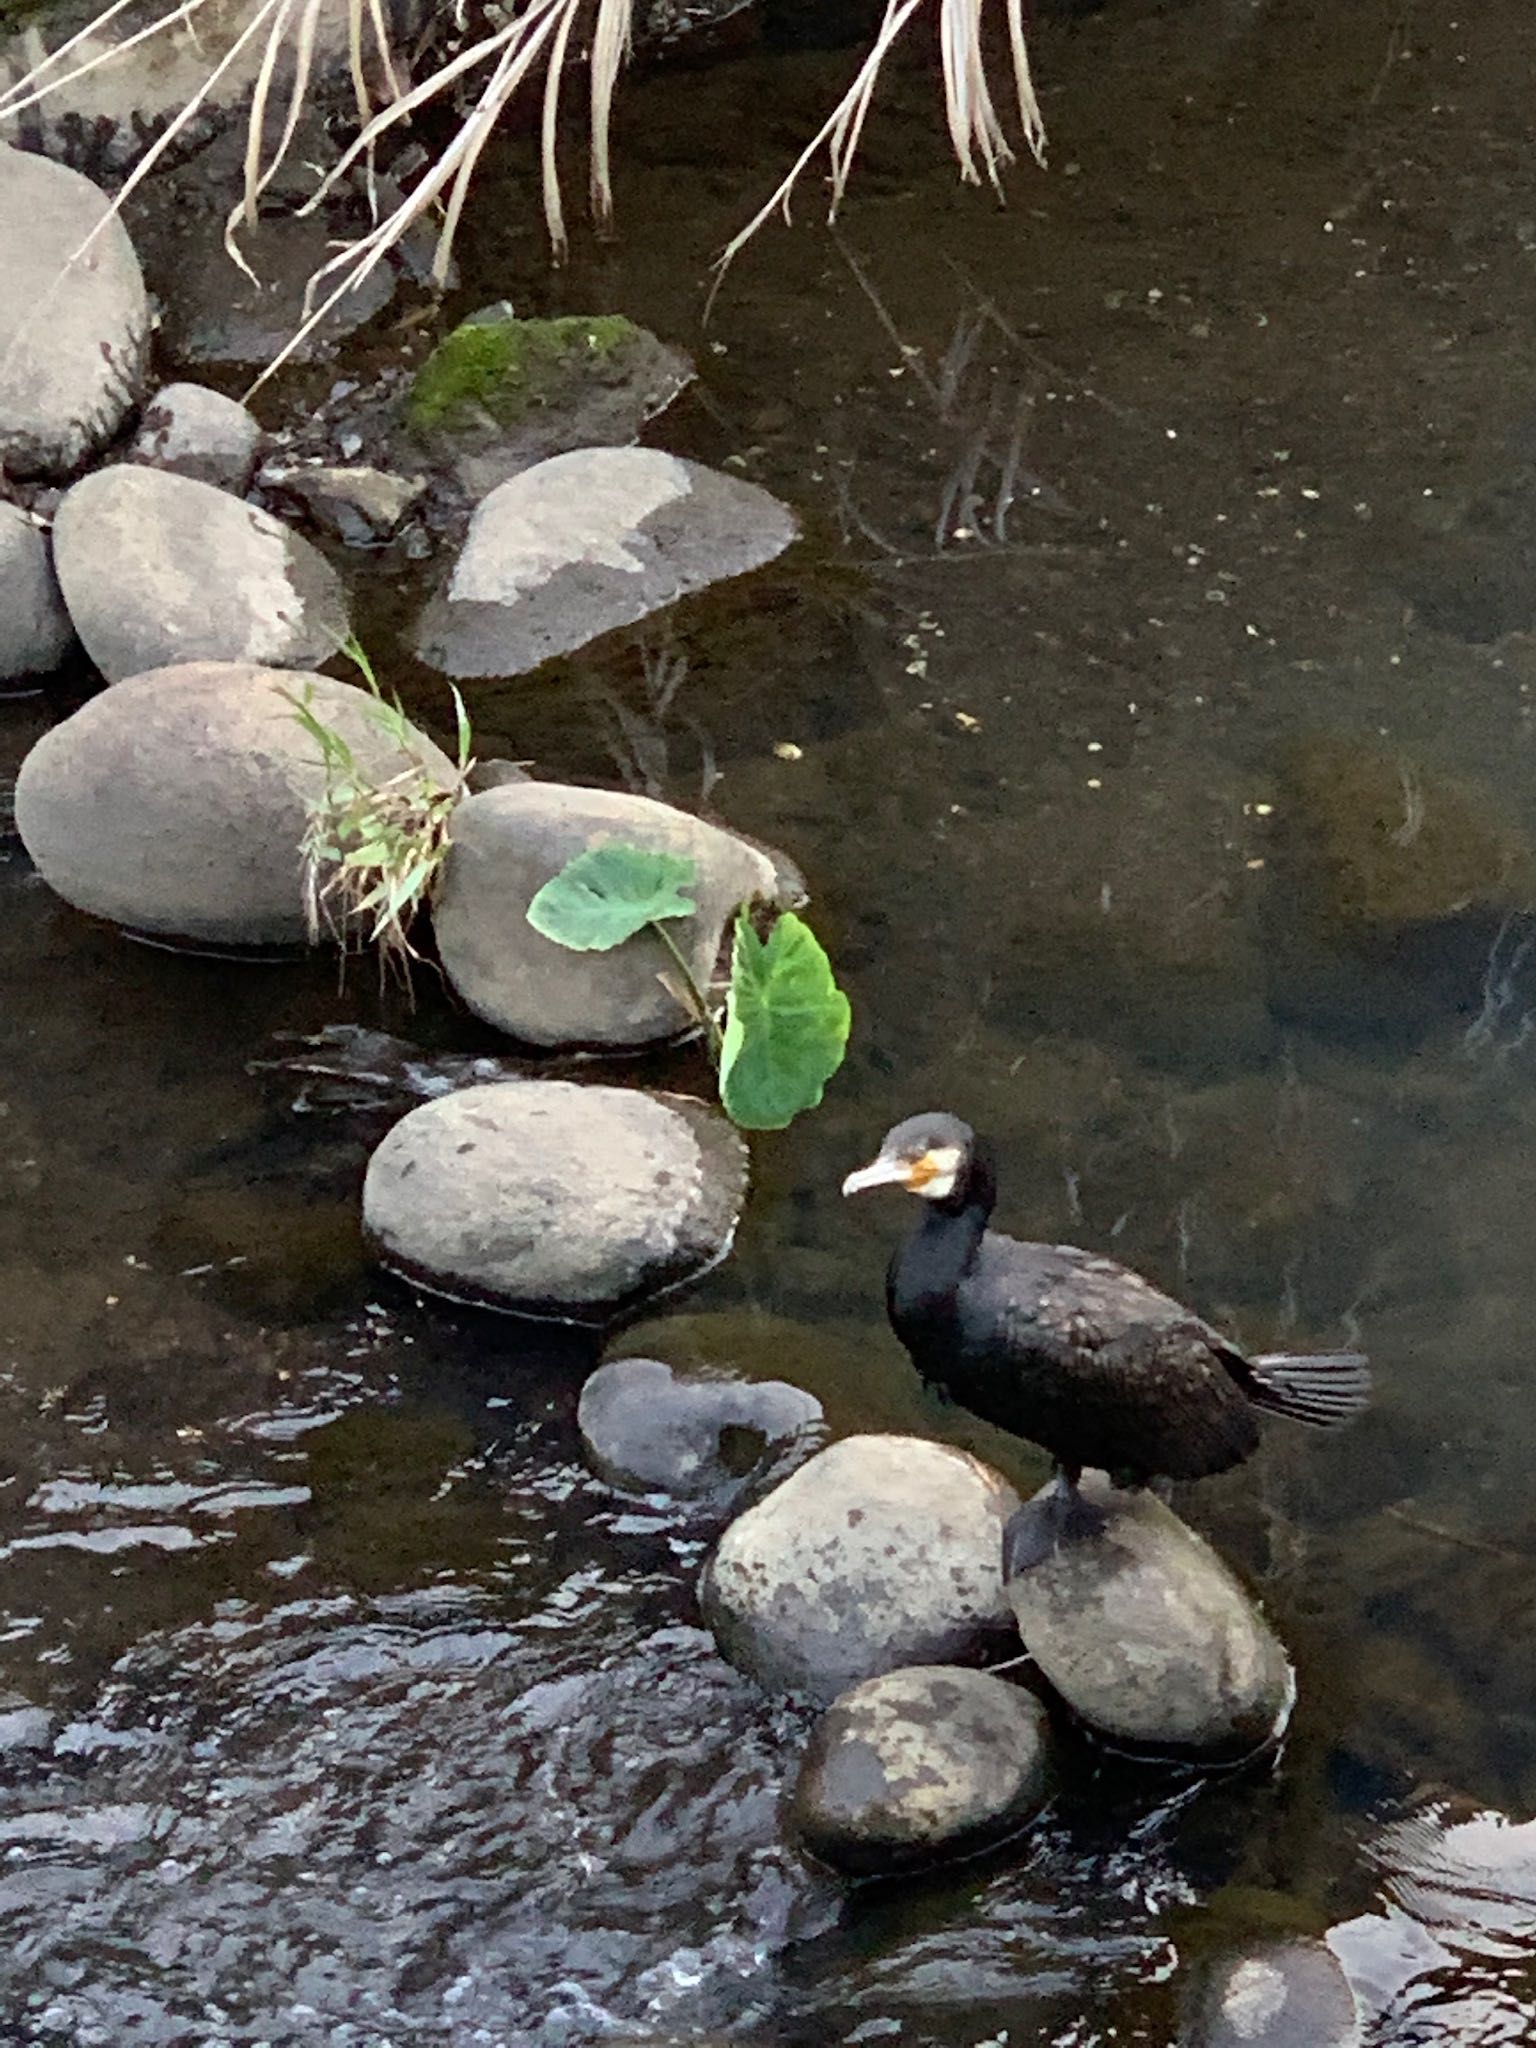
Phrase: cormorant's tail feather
(1323, 1388)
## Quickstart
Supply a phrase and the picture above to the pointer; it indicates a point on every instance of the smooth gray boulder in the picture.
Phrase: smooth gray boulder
(1147, 1636)
(507, 843)
(550, 1199)
(35, 632)
(880, 1551)
(647, 1430)
(174, 803)
(198, 432)
(158, 569)
(586, 542)
(1283, 1994)
(74, 327)
(918, 1765)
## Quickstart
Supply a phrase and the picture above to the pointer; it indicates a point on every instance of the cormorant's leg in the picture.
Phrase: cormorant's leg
(1044, 1525)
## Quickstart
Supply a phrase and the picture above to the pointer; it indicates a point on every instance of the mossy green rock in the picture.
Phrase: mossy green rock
(499, 394)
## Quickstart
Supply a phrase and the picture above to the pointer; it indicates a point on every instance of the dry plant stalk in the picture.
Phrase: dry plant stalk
(541, 31)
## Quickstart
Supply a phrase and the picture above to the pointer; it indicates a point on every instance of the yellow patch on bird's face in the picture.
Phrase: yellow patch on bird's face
(932, 1173)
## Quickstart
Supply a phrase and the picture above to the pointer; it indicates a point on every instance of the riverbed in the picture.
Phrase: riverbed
(338, 1702)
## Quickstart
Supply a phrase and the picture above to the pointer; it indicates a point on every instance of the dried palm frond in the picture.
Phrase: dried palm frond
(541, 32)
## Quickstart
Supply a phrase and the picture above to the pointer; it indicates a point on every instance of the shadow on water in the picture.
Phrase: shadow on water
(338, 1703)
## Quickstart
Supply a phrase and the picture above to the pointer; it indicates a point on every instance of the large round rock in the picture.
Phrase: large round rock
(917, 1765)
(881, 1551)
(73, 333)
(174, 803)
(35, 633)
(648, 1430)
(546, 1198)
(1283, 1994)
(507, 843)
(1147, 1635)
(158, 568)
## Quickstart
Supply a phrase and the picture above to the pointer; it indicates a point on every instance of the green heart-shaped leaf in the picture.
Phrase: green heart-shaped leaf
(607, 894)
(786, 1025)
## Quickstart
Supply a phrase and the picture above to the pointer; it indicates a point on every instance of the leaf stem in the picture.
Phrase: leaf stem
(696, 998)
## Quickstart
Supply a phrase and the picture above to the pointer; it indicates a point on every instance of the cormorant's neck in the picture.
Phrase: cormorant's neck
(928, 1270)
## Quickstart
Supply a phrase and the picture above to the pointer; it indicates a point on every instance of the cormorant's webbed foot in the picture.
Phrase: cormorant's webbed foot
(1048, 1523)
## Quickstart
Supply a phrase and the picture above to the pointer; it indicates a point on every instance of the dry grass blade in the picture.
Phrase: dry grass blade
(549, 136)
(610, 50)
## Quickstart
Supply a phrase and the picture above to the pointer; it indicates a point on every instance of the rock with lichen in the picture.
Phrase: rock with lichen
(499, 394)
(920, 1765)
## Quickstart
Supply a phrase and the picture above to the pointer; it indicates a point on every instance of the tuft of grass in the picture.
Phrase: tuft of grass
(373, 850)
(536, 39)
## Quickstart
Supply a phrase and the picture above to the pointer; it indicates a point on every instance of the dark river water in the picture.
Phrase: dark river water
(1164, 533)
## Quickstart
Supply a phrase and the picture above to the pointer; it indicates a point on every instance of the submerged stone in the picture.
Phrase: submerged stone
(1145, 1633)
(920, 1764)
(555, 1200)
(1287, 1994)
(880, 1551)
(647, 1430)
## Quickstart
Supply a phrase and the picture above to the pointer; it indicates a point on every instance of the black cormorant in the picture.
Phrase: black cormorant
(1071, 1350)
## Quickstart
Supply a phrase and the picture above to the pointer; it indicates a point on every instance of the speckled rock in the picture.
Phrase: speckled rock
(73, 334)
(1287, 1994)
(586, 542)
(881, 1551)
(920, 1764)
(647, 1431)
(35, 633)
(201, 433)
(507, 842)
(1148, 1637)
(546, 1198)
(158, 569)
(174, 802)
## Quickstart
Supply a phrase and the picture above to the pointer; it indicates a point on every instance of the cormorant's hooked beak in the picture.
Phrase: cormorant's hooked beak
(884, 1172)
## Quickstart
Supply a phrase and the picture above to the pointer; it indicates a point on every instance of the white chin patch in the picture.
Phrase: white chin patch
(947, 1162)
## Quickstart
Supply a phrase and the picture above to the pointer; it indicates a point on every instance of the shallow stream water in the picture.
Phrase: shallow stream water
(338, 1704)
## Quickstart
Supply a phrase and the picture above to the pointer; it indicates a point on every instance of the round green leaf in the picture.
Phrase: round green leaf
(786, 1025)
(607, 894)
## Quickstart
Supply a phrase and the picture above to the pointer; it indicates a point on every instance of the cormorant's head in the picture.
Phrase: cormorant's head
(927, 1155)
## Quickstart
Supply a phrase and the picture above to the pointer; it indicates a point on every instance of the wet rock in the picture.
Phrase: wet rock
(1145, 1633)
(35, 632)
(24, 1729)
(361, 506)
(1289, 1994)
(507, 842)
(198, 432)
(586, 542)
(157, 569)
(499, 394)
(1379, 844)
(547, 1198)
(73, 334)
(173, 803)
(648, 1431)
(218, 316)
(881, 1551)
(920, 1764)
